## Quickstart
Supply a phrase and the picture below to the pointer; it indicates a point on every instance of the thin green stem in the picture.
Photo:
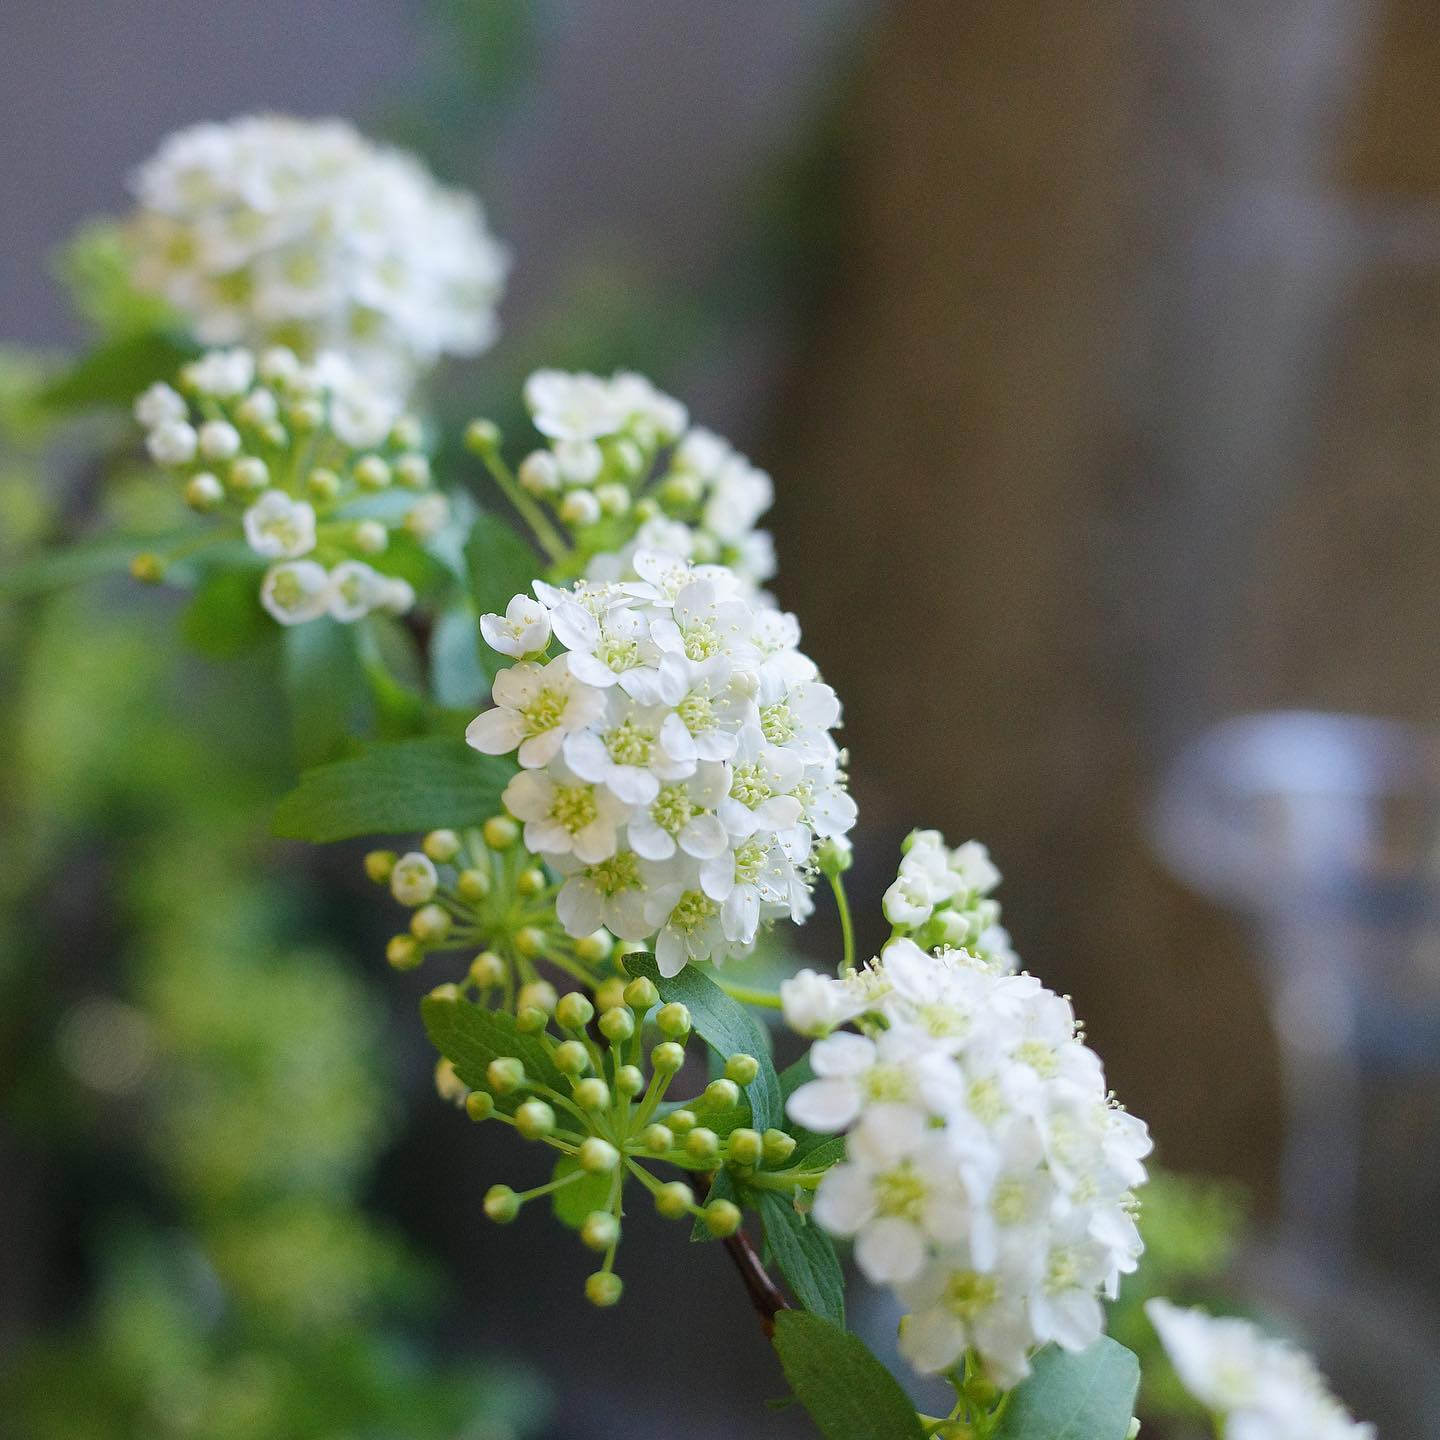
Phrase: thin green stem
(549, 537)
(847, 927)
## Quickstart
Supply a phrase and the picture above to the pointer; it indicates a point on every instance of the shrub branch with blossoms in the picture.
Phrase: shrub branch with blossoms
(653, 784)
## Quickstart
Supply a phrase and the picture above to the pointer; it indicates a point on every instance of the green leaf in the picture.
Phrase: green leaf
(850, 1395)
(225, 618)
(1085, 1396)
(470, 1037)
(726, 1025)
(501, 565)
(805, 1255)
(408, 785)
(115, 372)
(325, 687)
(457, 677)
(82, 560)
(392, 669)
(577, 1199)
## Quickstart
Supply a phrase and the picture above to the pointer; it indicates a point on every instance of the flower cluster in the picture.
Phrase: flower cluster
(677, 764)
(988, 1178)
(623, 471)
(1261, 1388)
(274, 230)
(583, 1085)
(299, 454)
(943, 897)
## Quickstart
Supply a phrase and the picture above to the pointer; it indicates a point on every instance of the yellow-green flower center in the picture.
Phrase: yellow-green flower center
(750, 785)
(545, 711)
(777, 724)
(968, 1294)
(692, 909)
(900, 1192)
(630, 744)
(672, 808)
(574, 806)
(619, 873)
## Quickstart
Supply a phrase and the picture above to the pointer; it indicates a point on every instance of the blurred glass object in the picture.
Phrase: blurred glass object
(1322, 831)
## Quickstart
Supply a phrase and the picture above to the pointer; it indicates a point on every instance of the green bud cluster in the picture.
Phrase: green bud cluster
(481, 891)
(616, 1051)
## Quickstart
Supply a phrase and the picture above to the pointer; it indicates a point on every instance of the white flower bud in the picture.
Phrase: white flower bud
(172, 442)
(295, 591)
(580, 508)
(539, 474)
(204, 491)
(370, 537)
(219, 440)
(413, 879)
(160, 405)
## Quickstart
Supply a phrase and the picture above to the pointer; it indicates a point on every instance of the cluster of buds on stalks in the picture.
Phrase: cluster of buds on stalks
(589, 1077)
(483, 891)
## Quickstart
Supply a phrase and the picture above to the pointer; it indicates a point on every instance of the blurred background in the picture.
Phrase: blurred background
(1095, 351)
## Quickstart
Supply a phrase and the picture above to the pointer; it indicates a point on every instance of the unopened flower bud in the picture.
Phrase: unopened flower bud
(604, 1289)
(531, 881)
(204, 491)
(667, 1057)
(571, 1057)
(574, 1011)
(502, 1204)
(702, 1144)
(487, 969)
(407, 433)
(617, 1025)
(379, 864)
(721, 1095)
(482, 435)
(430, 924)
(323, 484)
(722, 1218)
(539, 993)
(630, 1080)
(595, 947)
(530, 941)
(742, 1069)
(778, 1147)
(505, 1074)
(472, 885)
(530, 1021)
(248, 473)
(592, 1094)
(413, 471)
(657, 1139)
(835, 855)
(674, 1200)
(534, 1118)
(744, 1146)
(413, 878)
(479, 1105)
(442, 846)
(613, 499)
(148, 568)
(448, 1085)
(580, 508)
(403, 952)
(538, 473)
(305, 415)
(597, 1156)
(641, 994)
(610, 993)
(372, 473)
(678, 492)
(500, 832)
(680, 1121)
(600, 1231)
(673, 1020)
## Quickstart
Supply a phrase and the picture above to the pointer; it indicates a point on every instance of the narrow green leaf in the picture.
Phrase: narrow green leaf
(850, 1395)
(408, 785)
(577, 1199)
(470, 1037)
(726, 1026)
(1085, 1396)
(115, 372)
(806, 1256)
(501, 565)
(458, 679)
(225, 618)
(325, 687)
(82, 560)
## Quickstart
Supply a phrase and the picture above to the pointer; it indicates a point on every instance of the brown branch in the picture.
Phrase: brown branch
(764, 1294)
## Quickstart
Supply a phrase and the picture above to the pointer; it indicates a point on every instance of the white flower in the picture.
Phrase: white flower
(814, 1004)
(280, 527)
(221, 374)
(689, 926)
(356, 589)
(623, 752)
(1264, 1388)
(159, 404)
(855, 1073)
(524, 628)
(610, 892)
(536, 706)
(172, 442)
(295, 591)
(565, 815)
(413, 879)
(681, 816)
(572, 407)
(269, 227)
(428, 517)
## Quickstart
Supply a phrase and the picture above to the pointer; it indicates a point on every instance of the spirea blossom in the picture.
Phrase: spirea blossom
(677, 760)
(943, 897)
(988, 1178)
(274, 230)
(321, 470)
(624, 471)
(1259, 1388)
